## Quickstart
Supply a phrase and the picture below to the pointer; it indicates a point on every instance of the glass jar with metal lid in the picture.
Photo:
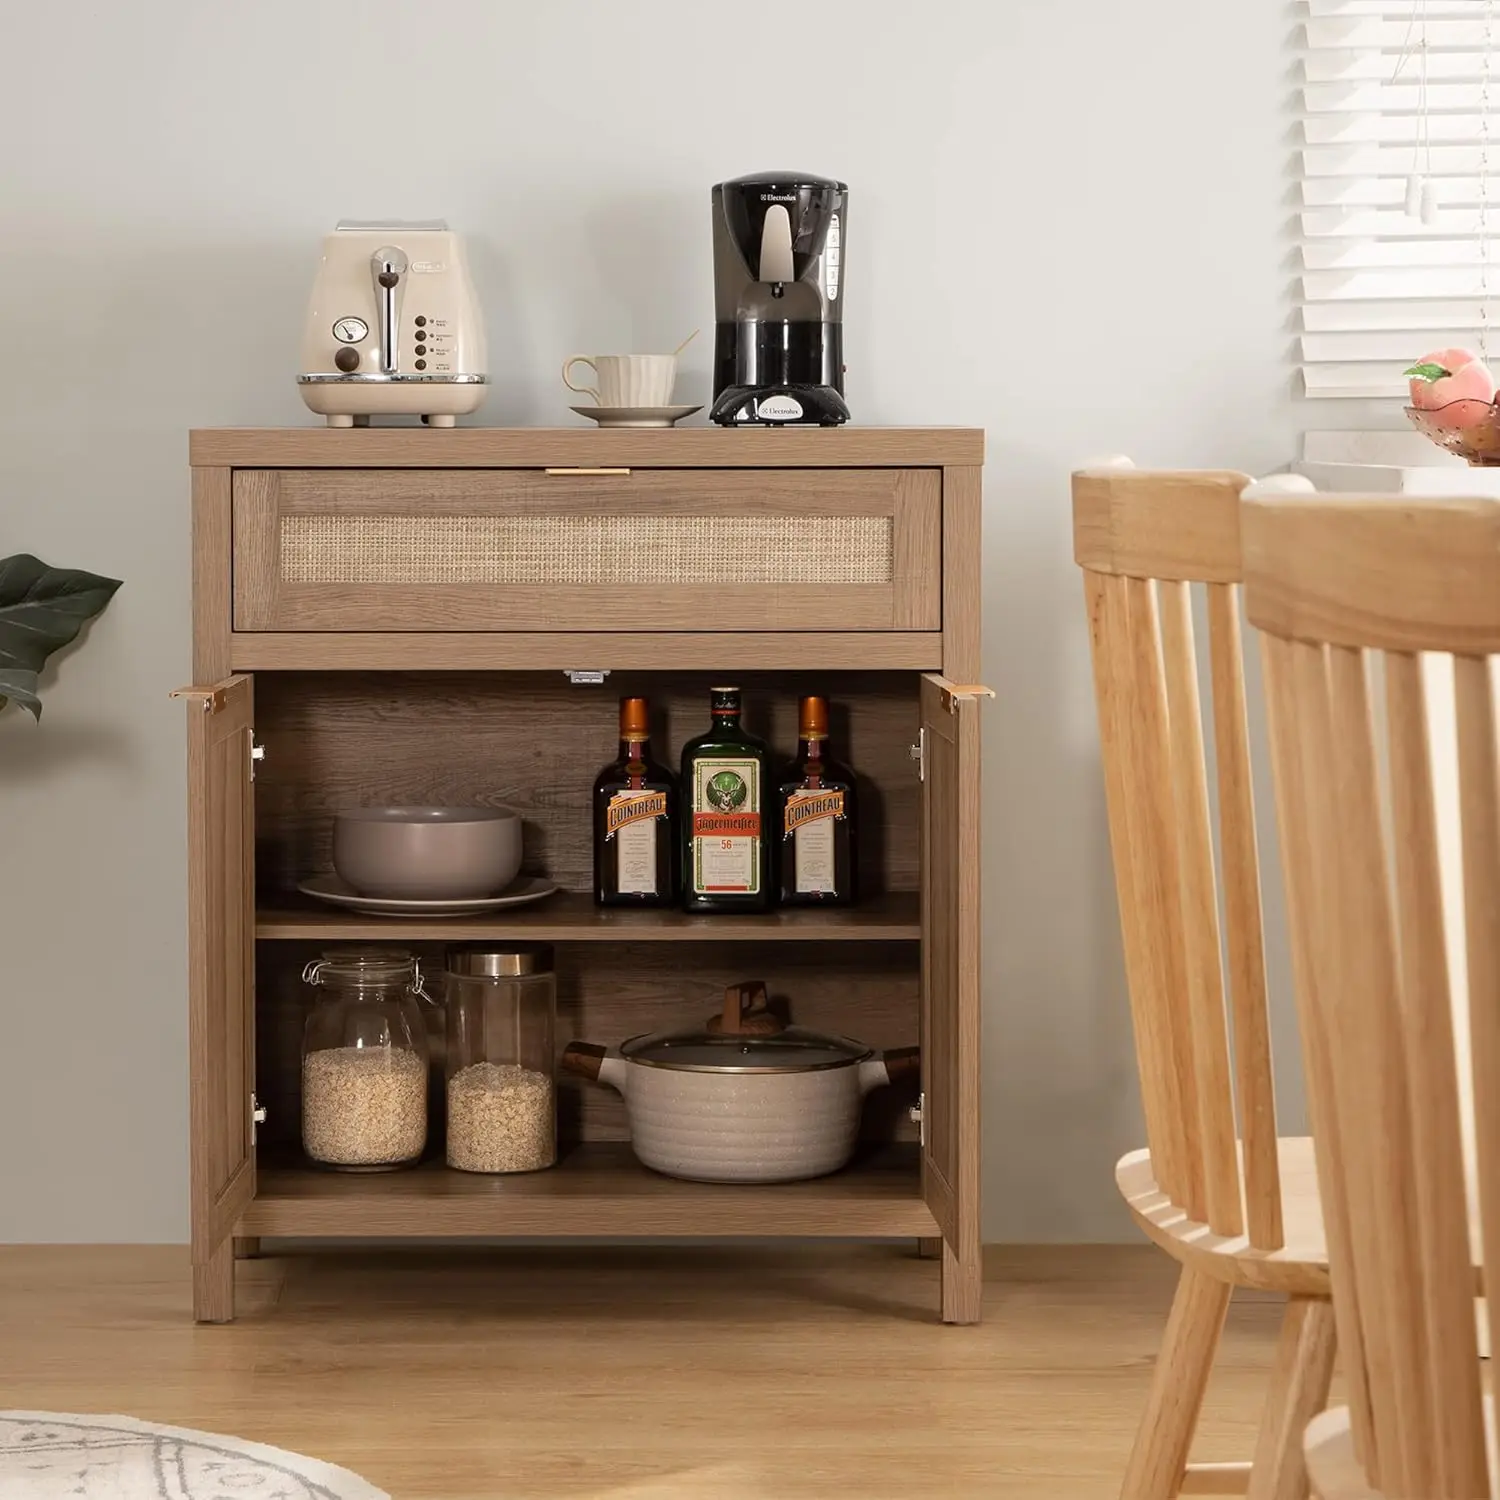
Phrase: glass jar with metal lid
(364, 1061)
(502, 1101)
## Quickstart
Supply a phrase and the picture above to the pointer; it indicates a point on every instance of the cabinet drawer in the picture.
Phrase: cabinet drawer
(664, 549)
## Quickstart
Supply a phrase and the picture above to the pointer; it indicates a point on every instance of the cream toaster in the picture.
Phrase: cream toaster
(393, 326)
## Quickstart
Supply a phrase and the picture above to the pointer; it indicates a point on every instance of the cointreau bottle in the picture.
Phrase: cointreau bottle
(726, 862)
(635, 818)
(815, 818)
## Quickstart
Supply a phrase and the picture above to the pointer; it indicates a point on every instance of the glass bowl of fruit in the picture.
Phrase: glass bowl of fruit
(1453, 403)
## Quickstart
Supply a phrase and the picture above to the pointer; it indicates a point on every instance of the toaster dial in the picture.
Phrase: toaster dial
(351, 330)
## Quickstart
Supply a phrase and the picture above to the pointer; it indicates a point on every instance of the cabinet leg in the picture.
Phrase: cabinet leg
(247, 1247)
(213, 1286)
(930, 1249)
(963, 1284)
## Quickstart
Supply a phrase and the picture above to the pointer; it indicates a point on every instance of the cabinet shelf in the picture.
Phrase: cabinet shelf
(596, 1189)
(571, 917)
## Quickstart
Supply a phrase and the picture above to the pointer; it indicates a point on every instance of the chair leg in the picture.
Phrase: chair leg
(1158, 1461)
(1299, 1391)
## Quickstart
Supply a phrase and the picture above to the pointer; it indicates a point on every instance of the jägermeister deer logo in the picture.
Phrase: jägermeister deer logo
(727, 791)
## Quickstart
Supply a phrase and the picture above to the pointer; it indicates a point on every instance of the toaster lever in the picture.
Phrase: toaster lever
(387, 266)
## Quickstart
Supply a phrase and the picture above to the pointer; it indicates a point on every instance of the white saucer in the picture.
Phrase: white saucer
(636, 416)
(519, 892)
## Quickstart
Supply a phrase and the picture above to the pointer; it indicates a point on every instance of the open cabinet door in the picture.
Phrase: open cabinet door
(221, 982)
(950, 986)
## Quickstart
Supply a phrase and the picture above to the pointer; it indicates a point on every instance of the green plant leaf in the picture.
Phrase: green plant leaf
(41, 609)
(1428, 372)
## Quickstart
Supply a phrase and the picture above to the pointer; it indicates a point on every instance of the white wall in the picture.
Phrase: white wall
(1066, 228)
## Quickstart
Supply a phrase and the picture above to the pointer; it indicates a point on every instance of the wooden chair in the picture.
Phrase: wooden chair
(1389, 923)
(1216, 1188)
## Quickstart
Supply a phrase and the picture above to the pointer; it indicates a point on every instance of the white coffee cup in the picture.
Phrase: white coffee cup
(626, 379)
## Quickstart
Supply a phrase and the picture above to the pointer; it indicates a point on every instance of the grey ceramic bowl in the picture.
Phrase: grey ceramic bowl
(427, 853)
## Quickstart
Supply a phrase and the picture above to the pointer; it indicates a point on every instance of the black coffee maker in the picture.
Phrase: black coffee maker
(778, 285)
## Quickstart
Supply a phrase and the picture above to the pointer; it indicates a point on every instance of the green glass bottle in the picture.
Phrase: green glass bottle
(726, 854)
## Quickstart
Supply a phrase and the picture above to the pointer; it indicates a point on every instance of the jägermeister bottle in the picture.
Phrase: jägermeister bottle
(726, 862)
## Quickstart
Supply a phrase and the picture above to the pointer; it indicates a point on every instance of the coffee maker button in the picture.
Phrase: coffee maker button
(347, 359)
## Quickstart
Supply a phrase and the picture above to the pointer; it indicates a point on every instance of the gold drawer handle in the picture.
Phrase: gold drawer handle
(588, 471)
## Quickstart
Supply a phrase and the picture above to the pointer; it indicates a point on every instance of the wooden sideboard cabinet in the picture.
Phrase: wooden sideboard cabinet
(392, 616)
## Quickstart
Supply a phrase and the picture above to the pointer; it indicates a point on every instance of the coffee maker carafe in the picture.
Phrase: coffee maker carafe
(778, 284)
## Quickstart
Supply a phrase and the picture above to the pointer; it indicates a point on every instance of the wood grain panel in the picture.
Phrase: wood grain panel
(609, 992)
(917, 551)
(212, 545)
(638, 651)
(963, 504)
(594, 1190)
(908, 500)
(527, 492)
(536, 743)
(543, 447)
(221, 1010)
(950, 986)
(572, 917)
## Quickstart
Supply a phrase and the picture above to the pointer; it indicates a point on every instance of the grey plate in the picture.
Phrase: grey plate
(520, 892)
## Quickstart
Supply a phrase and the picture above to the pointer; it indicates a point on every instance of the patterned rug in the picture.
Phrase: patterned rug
(60, 1456)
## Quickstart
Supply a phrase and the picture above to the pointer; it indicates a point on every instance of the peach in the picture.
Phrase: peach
(1451, 375)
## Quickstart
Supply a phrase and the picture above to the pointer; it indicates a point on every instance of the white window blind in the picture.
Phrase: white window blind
(1382, 116)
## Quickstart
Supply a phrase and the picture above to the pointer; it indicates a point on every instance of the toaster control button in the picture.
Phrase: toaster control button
(421, 322)
(421, 364)
(347, 359)
(421, 348)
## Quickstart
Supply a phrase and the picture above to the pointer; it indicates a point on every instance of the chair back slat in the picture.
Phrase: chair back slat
(1347, 593)
(1163, 1072)
(1243, 926)
(1204, 989)
(1146, 543)
(1479, 815)
(1361, 992)
(1281, 664)
(1427, 1035)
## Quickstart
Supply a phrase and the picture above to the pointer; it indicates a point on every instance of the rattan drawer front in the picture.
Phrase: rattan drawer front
(466, 550)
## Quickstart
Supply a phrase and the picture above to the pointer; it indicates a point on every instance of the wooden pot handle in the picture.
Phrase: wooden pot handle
(583, 1059)
(746, 1011)
(903, 1063)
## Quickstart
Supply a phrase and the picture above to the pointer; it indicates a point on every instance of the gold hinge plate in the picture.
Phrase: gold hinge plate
(964, 690)
(211, 700)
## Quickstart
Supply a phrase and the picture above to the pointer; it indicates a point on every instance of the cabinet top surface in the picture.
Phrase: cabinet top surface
(540, 447)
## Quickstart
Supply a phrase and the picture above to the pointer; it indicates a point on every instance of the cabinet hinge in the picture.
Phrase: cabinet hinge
(918, 1116)
(257, 754)
(257, 1116)
(210, 700)
(918, 753)
(964, 690)
(581, 678)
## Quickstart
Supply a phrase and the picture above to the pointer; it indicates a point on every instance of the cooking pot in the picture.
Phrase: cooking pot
(737, 1105)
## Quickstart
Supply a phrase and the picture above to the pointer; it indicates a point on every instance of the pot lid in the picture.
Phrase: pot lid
(793, 1050)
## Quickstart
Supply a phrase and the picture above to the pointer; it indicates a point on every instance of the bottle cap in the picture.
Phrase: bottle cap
(635, 719)
(813, 718)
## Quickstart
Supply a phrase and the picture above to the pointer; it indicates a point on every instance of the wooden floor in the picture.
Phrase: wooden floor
(497, 1375)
